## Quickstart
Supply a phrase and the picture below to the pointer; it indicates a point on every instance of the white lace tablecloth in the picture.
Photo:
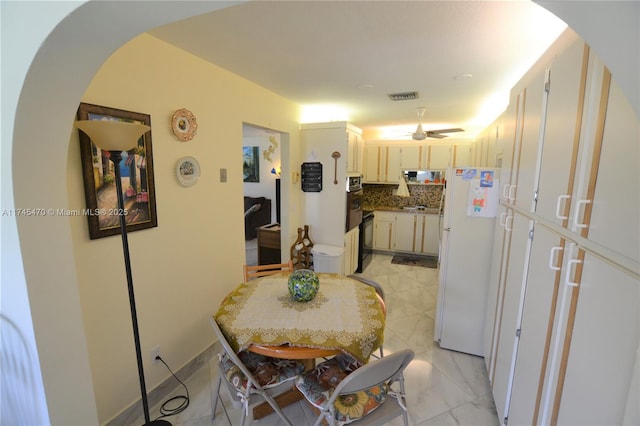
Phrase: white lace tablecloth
(345, 315)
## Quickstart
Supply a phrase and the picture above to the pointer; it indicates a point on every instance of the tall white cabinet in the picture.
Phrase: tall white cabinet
(563, 319)
(325, 212)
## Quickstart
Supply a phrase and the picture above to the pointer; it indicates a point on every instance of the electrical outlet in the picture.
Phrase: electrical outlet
(155, 352)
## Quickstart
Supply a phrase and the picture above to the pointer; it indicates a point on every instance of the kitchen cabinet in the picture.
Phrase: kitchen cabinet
(430, 242)
(372, 165)
(382, 163)
(407, 232)
(562, 327)
(325, 211)
(355, 152)
(383, 230)
(439, 154)
(350, 260)
(406, 229)
(412, 157)
(392, 156)
(461, 155)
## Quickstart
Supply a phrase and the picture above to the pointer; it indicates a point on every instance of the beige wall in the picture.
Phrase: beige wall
(184, 267)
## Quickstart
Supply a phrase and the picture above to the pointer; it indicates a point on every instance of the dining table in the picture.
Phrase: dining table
(261, 316)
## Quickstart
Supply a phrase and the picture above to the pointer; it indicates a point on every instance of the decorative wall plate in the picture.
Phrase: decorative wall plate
(184, 125)
(187, 171)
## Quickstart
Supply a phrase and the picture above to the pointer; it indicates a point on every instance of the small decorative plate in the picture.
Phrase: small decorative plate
(188, 171)
(184, 125)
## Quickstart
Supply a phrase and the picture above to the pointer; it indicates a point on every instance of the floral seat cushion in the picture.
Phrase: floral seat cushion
(318, 384)
(268, 372)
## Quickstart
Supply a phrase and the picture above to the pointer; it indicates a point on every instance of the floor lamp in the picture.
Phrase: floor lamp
(116, 137)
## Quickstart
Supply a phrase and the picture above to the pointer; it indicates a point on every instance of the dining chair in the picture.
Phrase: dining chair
(380, 291)
(251, 378)
(370, 395)
(257, 271)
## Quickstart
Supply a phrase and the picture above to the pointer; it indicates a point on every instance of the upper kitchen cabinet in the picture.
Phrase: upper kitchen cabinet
(382, 163)
(355, 151)
(460, 155)
(438, 156)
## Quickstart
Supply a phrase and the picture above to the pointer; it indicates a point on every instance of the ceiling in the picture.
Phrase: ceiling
(340, 59)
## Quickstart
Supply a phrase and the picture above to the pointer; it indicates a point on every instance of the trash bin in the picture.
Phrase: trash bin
(327, 258)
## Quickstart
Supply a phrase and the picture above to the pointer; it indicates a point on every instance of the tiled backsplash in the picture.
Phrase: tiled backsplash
(378, 196)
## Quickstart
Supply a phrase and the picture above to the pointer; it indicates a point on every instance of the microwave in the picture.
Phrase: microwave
(354, 183)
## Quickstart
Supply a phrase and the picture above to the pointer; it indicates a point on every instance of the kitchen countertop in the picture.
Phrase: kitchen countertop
(407, 209)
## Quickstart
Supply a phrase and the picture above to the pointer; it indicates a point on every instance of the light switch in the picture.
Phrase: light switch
(223, 175)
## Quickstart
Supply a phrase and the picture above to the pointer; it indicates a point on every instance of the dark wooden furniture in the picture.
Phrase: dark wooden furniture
(269, 244)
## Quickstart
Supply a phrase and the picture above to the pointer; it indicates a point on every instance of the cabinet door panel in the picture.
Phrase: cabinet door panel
(603, 346)
(564, 111)
(537, 322)
(411, 157)
(405, 232)
(461, 155)
(528, 158)
(439, 156)
(372, 163)
(615, 216)
(383, 231)
(515, 284)
(496, 284)
(430, 234)
(391, 170)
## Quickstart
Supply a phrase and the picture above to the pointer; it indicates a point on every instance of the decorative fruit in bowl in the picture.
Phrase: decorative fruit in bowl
(303, 285)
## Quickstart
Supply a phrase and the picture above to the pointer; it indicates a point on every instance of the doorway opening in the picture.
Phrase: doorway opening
(262, 165)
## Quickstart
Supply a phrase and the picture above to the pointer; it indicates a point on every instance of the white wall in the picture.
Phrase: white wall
(44, 82)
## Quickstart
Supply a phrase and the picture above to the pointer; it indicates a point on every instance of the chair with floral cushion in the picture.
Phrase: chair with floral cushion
(251, 378)
(342, 392)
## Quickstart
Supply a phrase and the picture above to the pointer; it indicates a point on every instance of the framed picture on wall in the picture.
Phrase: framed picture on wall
(136, 169)
(251, 163)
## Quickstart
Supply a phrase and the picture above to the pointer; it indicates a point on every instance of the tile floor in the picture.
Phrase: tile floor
(443, 387)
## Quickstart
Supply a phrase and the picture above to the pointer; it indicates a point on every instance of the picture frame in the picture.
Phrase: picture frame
(98, 175)
(251, 163)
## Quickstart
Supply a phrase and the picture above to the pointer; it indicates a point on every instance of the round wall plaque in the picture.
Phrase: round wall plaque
(187, 171)
(184, 125)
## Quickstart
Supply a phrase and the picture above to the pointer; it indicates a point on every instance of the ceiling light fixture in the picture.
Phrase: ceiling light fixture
(404, 96)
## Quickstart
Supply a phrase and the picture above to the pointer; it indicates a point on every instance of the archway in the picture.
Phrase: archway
(51, 88)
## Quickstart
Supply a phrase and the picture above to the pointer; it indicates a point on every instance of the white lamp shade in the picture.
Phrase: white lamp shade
(112, 135)
(403, 189)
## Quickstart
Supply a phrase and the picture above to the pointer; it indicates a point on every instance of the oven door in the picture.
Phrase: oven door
(354, 210)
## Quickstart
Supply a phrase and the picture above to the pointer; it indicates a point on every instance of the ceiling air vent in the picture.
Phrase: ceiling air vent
(405, 96)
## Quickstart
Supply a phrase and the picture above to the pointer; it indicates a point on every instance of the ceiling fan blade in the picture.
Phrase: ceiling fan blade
(435, 135)
(457, 129)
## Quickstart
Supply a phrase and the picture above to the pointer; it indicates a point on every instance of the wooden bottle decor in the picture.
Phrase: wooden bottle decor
(301, 255)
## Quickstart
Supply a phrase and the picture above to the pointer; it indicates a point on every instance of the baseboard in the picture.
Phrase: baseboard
(155, 396)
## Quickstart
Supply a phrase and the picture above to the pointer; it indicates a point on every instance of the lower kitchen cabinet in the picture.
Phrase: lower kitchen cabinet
(351, 247)
(407, 232)
(406, 229)
(383, 230)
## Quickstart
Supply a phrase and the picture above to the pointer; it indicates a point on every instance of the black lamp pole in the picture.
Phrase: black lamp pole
(115, 157)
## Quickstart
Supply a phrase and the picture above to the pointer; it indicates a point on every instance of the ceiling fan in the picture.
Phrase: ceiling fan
(420, 134)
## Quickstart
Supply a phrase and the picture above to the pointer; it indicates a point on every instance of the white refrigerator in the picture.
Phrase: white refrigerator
(470, 208)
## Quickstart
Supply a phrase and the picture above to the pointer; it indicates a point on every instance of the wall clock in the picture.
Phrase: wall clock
(188, 171)
(184, 125)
